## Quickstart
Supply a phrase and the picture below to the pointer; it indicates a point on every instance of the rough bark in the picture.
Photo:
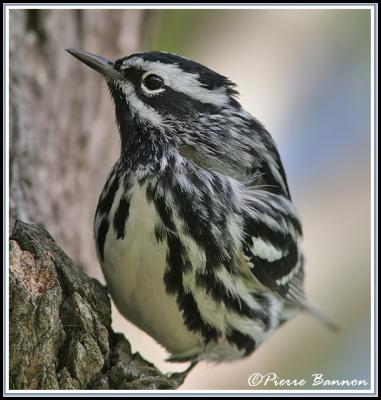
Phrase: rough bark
(60, 325)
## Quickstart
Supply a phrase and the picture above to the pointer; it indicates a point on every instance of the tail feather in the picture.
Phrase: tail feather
(317, 313)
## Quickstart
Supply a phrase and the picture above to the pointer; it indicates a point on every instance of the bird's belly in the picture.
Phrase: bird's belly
(134, 267)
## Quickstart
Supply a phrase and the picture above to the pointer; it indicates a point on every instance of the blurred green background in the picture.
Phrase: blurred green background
(306, 75)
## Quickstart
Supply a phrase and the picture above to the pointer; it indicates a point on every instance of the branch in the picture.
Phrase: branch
(60, 333)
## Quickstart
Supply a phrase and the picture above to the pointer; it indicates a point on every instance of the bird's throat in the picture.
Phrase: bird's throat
(141, 144)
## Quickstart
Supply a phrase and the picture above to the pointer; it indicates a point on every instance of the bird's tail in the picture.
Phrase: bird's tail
(321, 316)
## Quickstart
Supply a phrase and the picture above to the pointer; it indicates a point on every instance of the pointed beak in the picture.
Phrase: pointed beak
(100, 64)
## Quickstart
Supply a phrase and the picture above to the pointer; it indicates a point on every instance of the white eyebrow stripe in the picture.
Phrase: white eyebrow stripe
(181, 81)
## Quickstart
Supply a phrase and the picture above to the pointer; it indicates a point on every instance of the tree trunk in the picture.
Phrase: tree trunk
(60, 325)
(63, 142)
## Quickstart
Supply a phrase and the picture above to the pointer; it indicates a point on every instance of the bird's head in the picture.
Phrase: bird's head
(165, 100)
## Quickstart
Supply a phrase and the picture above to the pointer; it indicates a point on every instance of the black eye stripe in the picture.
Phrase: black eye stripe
(133, 75)
(153, 82)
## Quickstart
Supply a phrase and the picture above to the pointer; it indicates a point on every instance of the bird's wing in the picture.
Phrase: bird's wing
(271, 244)
(271, 226)
(271, 249)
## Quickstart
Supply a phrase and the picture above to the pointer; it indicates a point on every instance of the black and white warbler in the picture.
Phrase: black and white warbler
(195, 230)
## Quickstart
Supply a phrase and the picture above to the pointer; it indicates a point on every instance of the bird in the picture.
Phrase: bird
(195, 229)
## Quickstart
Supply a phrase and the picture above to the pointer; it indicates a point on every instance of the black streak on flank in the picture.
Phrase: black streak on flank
(219, 294)
(242, 341)
(101, 236)
(160, 233)
(165, 213)
(200, 229)
(120, 218)
(177, 258)
(105, 203)
(178, 263)
(173, 277)
(193, 319)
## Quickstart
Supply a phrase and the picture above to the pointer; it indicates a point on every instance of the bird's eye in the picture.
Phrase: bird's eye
(153, 82)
